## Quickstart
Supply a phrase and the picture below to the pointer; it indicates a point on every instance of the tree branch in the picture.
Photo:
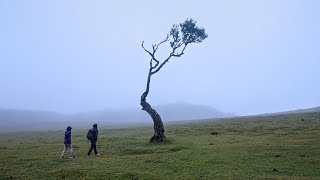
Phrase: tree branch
(154, 47)
(157, 63)
(172, 54)
(165, 40)
(182, 52)
(146, 49)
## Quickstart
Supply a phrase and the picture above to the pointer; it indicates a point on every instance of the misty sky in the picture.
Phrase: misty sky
(71, 56)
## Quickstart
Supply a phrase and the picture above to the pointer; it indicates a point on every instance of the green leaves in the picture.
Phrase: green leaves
(175, 33)
(190, 33)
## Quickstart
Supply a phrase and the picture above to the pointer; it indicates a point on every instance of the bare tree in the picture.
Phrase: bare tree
(179, 37)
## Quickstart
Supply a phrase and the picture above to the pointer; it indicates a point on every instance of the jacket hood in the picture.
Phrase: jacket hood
(69, 128)
(95, 126)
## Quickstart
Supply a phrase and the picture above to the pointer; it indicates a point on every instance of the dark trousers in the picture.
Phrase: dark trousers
(94, 147)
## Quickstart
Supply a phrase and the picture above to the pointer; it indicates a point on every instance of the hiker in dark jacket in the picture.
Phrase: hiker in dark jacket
(93, 140)
(67, 142)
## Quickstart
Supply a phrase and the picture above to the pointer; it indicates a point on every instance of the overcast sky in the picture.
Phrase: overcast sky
(71, 56)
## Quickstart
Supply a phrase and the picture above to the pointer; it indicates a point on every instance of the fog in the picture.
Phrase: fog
(81, 56)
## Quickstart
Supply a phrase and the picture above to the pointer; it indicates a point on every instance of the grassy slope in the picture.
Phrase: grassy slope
(250, 147)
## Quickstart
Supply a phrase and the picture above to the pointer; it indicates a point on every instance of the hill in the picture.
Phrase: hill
(297, 111)
(307, 110)
(24, 120)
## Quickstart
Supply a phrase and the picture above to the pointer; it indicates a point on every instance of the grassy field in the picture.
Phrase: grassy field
(275, 147)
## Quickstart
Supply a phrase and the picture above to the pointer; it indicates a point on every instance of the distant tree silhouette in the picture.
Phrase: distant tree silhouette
(180, 36)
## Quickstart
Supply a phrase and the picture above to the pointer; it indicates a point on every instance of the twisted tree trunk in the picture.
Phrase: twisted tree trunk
(157, 122)
(158, 127)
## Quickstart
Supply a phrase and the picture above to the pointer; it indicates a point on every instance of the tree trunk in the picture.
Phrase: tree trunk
(158, 127)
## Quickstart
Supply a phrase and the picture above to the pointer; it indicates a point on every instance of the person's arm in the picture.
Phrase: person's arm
(96, 137)
(68, 136)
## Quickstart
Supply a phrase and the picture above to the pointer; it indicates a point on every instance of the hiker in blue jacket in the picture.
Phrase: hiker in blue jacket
(67, 143)
(93, 137)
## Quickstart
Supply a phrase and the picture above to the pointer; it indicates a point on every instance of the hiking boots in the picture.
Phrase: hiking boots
(96, 155)
(62, 157)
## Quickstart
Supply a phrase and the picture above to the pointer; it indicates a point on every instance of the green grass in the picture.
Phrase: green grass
(275, 147)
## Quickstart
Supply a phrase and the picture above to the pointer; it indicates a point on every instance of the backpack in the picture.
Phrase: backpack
(89, 134)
